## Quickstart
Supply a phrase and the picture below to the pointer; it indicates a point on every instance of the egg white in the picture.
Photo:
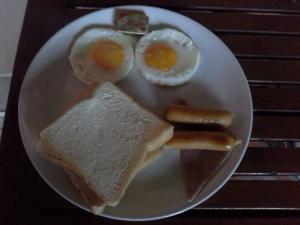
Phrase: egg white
(86, 69)
(188, 57)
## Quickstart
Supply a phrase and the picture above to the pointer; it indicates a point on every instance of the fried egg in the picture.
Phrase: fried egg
(167, 57)
(100, 55)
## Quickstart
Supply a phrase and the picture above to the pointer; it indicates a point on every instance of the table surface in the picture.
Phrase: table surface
(265, 37)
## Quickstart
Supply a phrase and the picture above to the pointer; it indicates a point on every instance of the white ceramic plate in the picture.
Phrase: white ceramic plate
(156, 192)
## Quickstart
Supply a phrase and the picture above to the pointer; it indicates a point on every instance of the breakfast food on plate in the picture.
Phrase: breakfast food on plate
(92, 199)
(194, 115)
(167, 57)
(103, 142)
(208, 140)
(197, 167)
(101, 54)
(151, 156)
(132, 21)
(202, 153)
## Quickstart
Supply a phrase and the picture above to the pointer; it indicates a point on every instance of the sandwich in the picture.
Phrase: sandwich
(102, 142)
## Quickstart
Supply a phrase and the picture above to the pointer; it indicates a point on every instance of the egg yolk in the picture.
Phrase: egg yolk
(160, 56)
(107, 54)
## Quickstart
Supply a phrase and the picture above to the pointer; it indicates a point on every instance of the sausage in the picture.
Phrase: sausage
(208, 140)
(194, 115)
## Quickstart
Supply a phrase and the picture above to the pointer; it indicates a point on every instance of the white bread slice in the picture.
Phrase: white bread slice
(95, 203)
(104, 139)
(151, 157)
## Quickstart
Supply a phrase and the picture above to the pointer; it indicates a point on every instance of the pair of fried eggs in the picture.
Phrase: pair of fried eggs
(165, 57)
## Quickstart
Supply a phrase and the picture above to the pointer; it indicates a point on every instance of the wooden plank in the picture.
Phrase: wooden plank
(247, 22)
(288, 6)
(36, 202)
(271, 70)
(256, 194)
(231, 22)
(275, 98)
(263, 45)
(196, 218)
(277, 127)
(270, 160)
(235, 194)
